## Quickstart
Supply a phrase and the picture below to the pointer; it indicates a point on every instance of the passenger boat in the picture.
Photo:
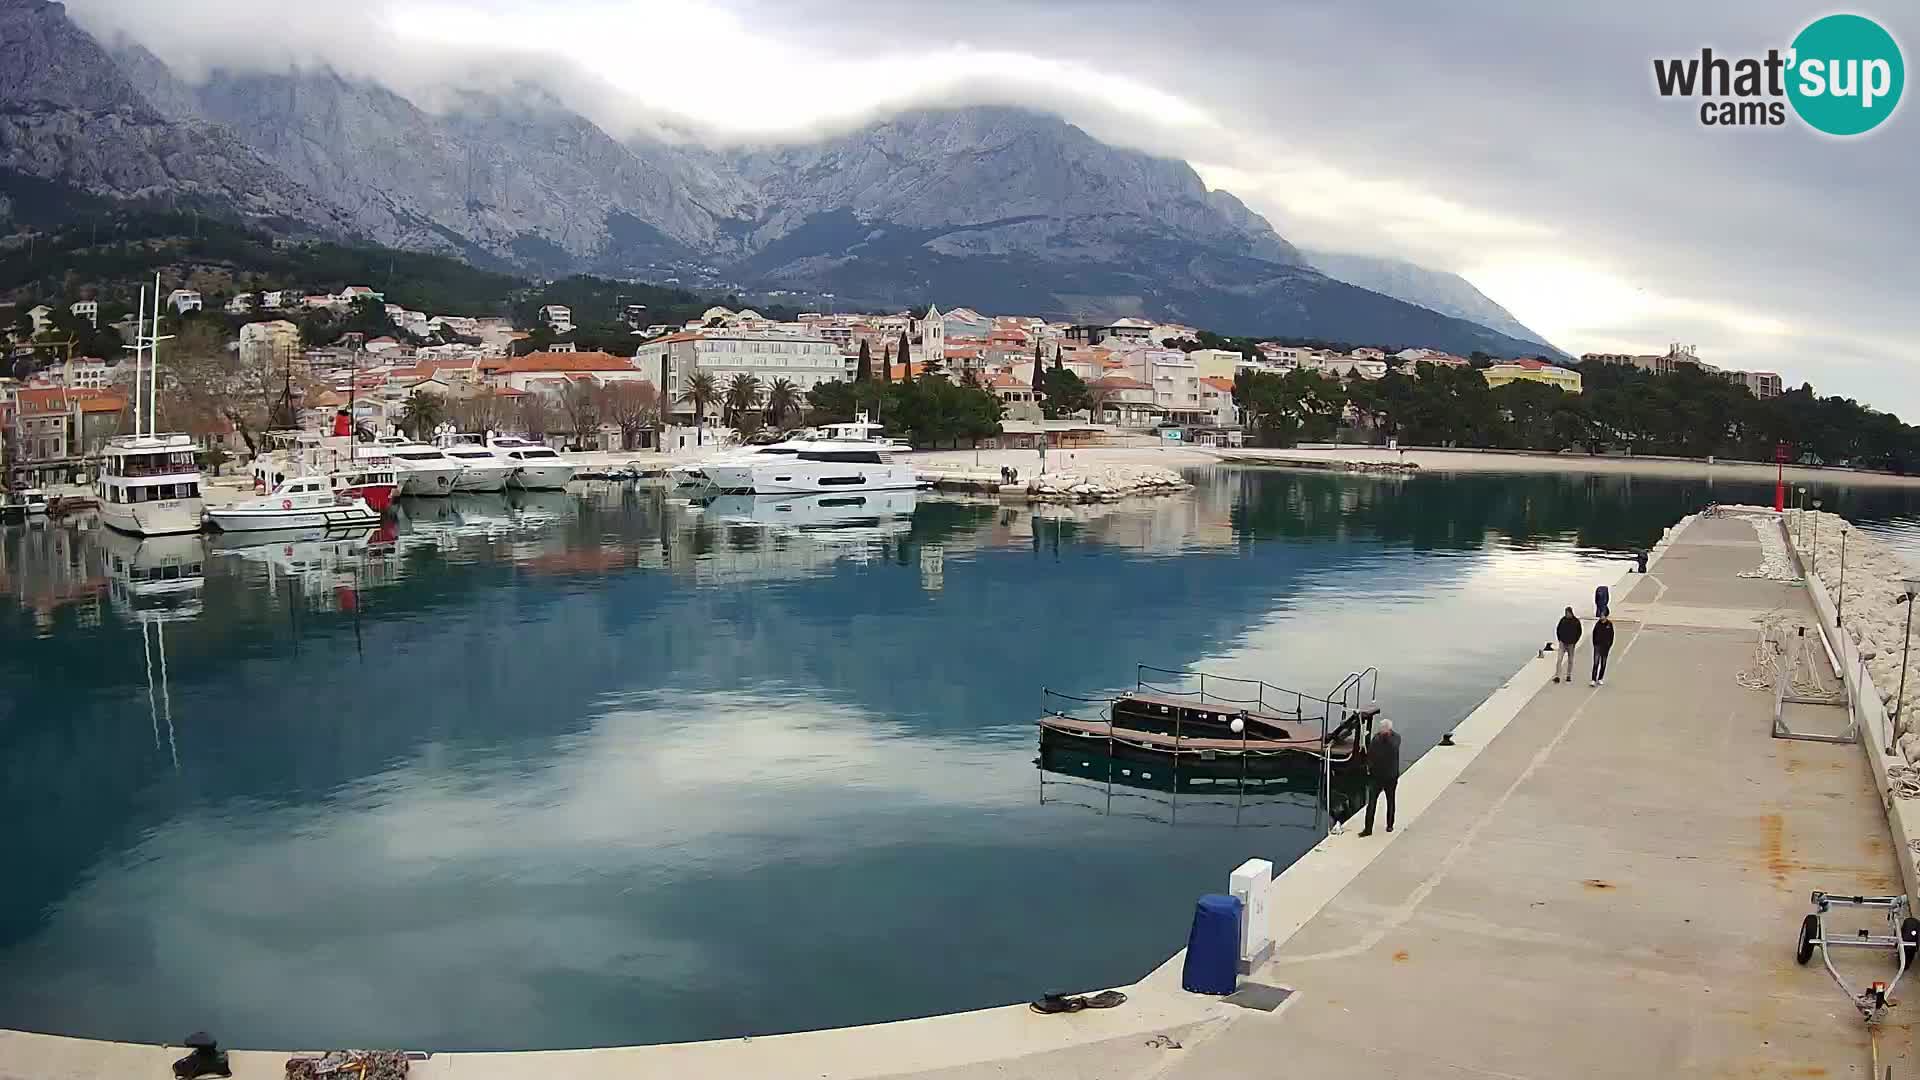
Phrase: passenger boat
(846, 457)
(149, 482)
(537, 466)
(303, 502)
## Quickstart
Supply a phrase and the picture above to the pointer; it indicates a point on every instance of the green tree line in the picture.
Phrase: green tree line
(1687, 413)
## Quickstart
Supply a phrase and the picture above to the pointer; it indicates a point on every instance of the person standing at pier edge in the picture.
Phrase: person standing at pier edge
(1568, 633)
(1383, 771)
(1602, 642)
(1601, 608)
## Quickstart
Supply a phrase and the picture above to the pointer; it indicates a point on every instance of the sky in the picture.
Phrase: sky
(1521, 145)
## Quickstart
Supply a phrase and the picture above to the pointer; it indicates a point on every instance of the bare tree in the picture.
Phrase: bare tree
(481, 411)
(580, 400)
(535, 414)
(633, 405)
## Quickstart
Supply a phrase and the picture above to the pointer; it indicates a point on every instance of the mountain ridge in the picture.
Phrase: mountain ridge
(993, 207)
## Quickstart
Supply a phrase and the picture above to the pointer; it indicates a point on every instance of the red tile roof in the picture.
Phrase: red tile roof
(1217, 382)
(39, 401)
(563, 362)
(1121, 382)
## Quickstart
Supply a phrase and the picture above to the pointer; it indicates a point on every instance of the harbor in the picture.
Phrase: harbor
(1502, 899)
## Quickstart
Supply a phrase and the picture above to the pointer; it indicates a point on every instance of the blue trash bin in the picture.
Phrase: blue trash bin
(1213, 947)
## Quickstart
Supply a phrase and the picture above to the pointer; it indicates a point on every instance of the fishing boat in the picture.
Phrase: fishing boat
(303, 502)
(149, 482)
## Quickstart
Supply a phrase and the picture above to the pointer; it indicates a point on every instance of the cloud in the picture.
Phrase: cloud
(1525, 146)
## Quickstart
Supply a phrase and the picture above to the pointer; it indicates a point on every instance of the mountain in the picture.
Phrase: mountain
(70, 115)
(994, 208)
(1436, 290)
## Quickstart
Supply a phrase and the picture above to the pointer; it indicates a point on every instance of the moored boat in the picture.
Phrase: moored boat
(303, 502)
(537, 467)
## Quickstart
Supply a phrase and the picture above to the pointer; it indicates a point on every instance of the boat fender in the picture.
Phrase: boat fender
(286, 504)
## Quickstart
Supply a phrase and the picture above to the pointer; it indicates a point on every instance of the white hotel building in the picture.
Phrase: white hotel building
(803, 359)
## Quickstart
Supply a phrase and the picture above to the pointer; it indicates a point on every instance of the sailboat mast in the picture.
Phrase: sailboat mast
(153, 385)
(139, 336)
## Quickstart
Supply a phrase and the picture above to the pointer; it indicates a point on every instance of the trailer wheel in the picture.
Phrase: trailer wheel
(1909, 940)
(1810, 930)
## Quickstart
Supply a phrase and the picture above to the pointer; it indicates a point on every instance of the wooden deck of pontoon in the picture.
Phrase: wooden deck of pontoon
(1169, 744)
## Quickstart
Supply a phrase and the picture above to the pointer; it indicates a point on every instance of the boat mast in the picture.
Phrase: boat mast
(139, 337)
(153, 356)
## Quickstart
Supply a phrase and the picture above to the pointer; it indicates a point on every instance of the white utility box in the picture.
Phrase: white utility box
(1251, 882)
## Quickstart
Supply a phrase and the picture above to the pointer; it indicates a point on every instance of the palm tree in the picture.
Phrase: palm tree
(701, 390)
(743, 396)
(783, 398)
(421, 413)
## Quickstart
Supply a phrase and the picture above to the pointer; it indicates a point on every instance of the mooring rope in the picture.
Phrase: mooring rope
(1903, 781)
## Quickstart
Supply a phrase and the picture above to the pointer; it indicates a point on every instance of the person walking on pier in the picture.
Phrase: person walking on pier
(1602, 643)
(1568, 633)
(1383, 771)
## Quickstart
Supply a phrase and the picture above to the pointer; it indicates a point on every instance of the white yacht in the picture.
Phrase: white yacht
(841, 458)
(424, 470)
(149, 482)
(536, 466)
(481, 467)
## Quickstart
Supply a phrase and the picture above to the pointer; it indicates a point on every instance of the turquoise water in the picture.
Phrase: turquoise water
(577, 770)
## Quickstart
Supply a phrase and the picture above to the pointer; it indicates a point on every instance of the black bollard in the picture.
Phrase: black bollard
(207, 1058)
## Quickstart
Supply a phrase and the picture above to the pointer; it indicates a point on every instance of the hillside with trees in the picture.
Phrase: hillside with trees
(1689, 413)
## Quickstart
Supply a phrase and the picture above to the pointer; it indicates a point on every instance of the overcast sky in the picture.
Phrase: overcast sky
(1519, 144)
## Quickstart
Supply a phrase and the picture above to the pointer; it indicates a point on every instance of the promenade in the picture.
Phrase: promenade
(1612, 887)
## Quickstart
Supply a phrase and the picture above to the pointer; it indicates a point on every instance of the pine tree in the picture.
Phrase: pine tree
(906, 358)
(865, 369)
(1057, 366)
(886, 367)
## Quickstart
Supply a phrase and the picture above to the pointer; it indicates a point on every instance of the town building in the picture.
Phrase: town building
(1530, 370)
(1762, 384)
(88, 310)
(805, 360)
(1124, 401)
(1216, 395)
(273, 345)
(1018, 399)
(550, 372)
(1217, 363)
(55, 429)
(86, 373)
(183, 301)
(558, 318)
(41, 317)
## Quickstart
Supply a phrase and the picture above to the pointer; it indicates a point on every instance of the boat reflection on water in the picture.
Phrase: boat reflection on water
(1282, 791)
(833, 511)
(154, 577)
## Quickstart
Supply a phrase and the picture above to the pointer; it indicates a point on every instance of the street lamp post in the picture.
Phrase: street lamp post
(1840, 595)
(1911, 585)
(1814, 548)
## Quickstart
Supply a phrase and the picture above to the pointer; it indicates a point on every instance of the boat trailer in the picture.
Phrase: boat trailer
(1903, 941)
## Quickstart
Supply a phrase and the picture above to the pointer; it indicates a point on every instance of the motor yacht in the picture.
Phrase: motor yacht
(853, 456)
(482, 469)
(424, 470)
(537, 466)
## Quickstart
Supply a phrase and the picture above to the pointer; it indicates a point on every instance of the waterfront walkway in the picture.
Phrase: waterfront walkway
(1612, 887)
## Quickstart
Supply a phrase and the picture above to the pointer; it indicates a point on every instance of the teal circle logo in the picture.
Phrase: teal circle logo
(1846, 74)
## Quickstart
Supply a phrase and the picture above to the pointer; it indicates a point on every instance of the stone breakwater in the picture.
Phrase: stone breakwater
(1108, 484)
(1871, 611)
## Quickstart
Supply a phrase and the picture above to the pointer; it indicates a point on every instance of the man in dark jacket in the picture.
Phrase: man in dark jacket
(1568, 634)
(1602, 643)
(1383, 771)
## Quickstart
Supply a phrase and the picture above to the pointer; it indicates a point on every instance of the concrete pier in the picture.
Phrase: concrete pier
(1593, 882)
(1612, 887)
